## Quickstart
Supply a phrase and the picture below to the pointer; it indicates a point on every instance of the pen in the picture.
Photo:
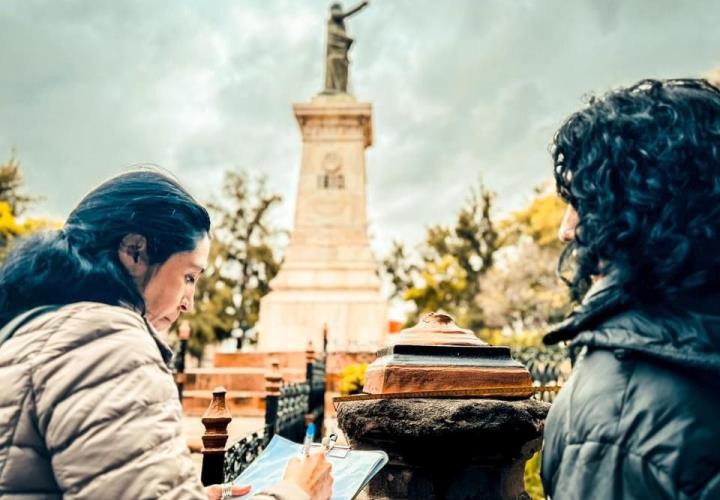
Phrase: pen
(309, 437)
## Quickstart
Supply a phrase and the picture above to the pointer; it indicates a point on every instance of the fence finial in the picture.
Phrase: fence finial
(309, 352)
(273, 378)
(215, 419)
(325, 337)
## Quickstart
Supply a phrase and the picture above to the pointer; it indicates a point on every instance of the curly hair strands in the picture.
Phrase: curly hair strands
(641, 165)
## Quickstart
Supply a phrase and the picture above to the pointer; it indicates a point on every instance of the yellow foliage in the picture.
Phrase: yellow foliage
(514, 339)
(352, 379)
(8, 224)
(31, 225)
(540, 220)
(533, 483)
(11, 228)
(440, 280)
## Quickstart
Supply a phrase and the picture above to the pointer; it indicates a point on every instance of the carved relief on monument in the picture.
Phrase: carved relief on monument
(330, 199)
(331, 175)
(340, 128)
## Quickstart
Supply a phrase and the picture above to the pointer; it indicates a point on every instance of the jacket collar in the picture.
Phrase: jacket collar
(604, 299)
(165, 351)
(685, 332)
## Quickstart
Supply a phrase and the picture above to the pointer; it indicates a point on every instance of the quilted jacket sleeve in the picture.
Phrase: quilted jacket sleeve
(616, 475)
(108, 409)
(586, 452)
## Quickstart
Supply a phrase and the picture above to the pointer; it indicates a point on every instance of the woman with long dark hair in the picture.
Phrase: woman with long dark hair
(638, 418)
(88, 407)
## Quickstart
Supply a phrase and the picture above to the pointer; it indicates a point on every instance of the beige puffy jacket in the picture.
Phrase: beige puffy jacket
(89, 409)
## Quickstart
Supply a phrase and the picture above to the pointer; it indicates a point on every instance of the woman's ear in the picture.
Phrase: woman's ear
(132, 253)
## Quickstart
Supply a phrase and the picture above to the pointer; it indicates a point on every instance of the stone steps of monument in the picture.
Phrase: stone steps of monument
(239, 403)
(236, 379)
(258, 359)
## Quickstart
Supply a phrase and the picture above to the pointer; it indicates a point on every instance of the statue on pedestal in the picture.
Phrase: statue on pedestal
(338, 45)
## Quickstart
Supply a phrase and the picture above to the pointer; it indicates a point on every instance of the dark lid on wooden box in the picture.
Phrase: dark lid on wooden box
(438, 357)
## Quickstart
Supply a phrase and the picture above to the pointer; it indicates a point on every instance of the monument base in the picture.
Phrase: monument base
(355, 321)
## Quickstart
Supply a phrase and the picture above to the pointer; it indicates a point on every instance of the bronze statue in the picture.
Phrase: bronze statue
(338, 45)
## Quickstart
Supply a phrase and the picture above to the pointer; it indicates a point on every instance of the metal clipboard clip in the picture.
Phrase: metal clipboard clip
(332, 449)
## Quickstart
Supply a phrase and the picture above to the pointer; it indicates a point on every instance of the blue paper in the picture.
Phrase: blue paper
(350, 474)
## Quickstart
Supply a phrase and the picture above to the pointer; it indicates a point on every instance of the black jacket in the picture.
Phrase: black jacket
(640, 415)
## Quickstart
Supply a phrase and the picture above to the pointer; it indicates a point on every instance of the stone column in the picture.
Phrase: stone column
(453, 414)
(447, 448)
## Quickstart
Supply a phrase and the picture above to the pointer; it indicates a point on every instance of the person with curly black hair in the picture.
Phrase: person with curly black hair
(640, 416)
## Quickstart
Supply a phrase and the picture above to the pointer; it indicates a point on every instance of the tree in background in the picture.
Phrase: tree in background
(521, 292)
(444, 273)
(521, 295)
(243, 260)
(493, 277)
(12, 204)
(11, 181)
(540, 220)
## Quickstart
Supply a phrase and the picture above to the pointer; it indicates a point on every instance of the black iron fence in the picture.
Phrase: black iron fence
(549, 367)
(289, 407)
(242, 453)
(315, 375)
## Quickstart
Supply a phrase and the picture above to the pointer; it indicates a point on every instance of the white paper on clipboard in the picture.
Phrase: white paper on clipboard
(351, 470)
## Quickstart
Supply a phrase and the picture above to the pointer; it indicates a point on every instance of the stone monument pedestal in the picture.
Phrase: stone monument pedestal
(329, 279)
(446, 448)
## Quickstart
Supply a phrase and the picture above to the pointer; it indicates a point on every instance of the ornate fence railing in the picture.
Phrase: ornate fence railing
(316, 373)
(548, 367)
(242, 453)
(288, 409)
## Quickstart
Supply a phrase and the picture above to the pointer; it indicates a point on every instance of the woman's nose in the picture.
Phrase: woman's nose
(187, 304)
(567, 227)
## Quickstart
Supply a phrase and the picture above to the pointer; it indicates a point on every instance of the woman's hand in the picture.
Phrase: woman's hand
(312, 474)
(215, 492)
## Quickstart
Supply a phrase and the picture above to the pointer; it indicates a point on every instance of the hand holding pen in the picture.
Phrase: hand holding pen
(312, 472)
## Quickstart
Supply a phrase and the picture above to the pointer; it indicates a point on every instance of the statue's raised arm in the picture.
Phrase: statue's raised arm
(355, 9)
(337, 47)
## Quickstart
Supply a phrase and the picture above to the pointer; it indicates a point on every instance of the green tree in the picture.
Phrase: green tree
(243, 260)
(521, 291)
(540, 220)
(521, 295)
(11, 181)
(12, 204)
(398, 269)
(444, 274)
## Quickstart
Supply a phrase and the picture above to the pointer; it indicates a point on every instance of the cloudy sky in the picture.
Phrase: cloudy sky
(460, 89)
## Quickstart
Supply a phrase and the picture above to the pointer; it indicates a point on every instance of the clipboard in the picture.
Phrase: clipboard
(352, 469)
